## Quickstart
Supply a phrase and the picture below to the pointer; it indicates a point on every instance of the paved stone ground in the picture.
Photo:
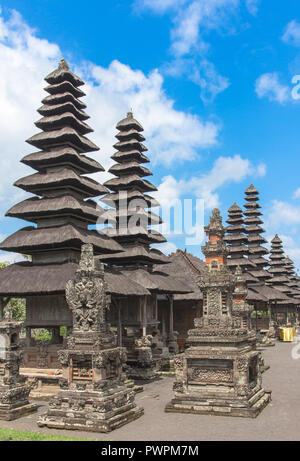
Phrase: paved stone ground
(280, 420)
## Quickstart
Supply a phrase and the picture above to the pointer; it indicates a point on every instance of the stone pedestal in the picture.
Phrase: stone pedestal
(14, 392)
(219, 378)
(145, 366)
(94, 392)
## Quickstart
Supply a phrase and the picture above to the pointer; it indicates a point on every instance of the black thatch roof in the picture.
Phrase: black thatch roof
(64, 179)
(54, 122)
(129, 167)
(137, 235)
(25, 279)
(116, 197)
(156, 281)
(62, 136)
(63, 73)
(135, 254)
(34, 209)
(30, 240)
(132, 180)
(62, 156)
(187, 268)
(129, 156)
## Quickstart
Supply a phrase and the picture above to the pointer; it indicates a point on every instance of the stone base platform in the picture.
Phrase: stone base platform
(218, 407)
(90, 411)
(10, 414)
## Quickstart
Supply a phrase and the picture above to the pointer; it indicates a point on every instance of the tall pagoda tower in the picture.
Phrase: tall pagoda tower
(254, 231)
(130, 200)
(236, 240)
(61, 209)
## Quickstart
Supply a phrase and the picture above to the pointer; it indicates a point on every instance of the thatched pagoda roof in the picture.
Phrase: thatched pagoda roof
(62, 156)
(137, 253)
(156, 281)
(34, 209)
(67, 135)
(187, 268)
(115, 198)
(25, 279)
(63, 73)
(66, 178)
(30, 240)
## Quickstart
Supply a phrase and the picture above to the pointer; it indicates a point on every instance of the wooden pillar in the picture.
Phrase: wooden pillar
(156, 308)
(171, 323)
(144, 315)
(120, 339)
(28, 336)
(255, 306)
(1, 309)
(163, 319)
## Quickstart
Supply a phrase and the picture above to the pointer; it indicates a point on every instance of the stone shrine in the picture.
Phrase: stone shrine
(14, 392)
(94, 395)
(219, 372)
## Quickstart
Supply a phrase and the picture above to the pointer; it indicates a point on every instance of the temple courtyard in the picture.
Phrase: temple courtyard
(278, 421)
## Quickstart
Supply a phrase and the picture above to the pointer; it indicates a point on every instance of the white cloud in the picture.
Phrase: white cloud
(225, 170)
(159, 6)
(172, 135)
(10, 258)
(283, 214)
(166, 248)
(252, 6)
(292, 33)
(192, 22)
(297, 193)
(269, 86)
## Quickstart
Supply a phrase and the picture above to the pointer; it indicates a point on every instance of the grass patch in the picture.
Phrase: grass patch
(12, 435)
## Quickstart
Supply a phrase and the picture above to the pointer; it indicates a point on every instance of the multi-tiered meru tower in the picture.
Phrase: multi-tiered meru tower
(219, 372)
(61, 208)
(237, 239)
(255, 240)
(278, 270)
(130, 200)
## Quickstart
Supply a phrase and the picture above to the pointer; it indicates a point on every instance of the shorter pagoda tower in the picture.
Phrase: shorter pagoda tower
(255, 240)
(94, 395)
(14, 392)
(278, 270)
(219, 372)
(237, 240)
(292, 276)
(130, 201)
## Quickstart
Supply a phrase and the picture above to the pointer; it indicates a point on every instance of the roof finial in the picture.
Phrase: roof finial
(130, 113)
(63, 64)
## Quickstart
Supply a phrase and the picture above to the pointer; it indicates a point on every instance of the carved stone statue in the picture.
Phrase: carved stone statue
(93, 395)
(14, 392)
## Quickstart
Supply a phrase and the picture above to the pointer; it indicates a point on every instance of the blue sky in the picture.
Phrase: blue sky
(211, 82)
